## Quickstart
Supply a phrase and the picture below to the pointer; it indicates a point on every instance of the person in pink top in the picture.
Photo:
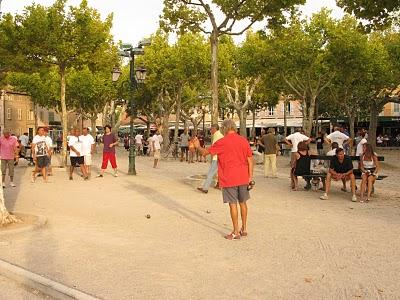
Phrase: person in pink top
(8, 152)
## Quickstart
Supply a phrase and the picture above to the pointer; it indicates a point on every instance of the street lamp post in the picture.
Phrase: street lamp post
(136, 77)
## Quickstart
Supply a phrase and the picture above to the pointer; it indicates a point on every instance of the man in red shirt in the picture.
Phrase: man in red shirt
(235, 173)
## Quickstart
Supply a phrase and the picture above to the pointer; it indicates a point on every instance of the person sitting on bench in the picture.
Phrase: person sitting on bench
(341, 168)
(369, 166)
(301, 166)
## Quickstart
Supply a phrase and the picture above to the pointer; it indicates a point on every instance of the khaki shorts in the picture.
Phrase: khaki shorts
(88, 160)
(157, 154)
(7, 164)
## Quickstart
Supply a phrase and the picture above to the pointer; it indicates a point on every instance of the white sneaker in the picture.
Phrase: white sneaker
(354, 198)
(324, 197)
(115, 174)
(12, 184)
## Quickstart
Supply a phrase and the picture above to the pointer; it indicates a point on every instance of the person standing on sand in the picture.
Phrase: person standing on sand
(49, 143)
(235, 171)
(156, 146)
(110, 142)
(184, 138)
(270, 144)
(40, 154)
(76, 154)
(88, 145)
(216, 136)
(8, 152)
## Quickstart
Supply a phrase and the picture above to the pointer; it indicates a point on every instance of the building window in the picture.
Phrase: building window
(271, 110)
(31, 115)
(51, 116)
(289, 108)
(396, 107)
(19, 114)
(8, 113)
(41, 116)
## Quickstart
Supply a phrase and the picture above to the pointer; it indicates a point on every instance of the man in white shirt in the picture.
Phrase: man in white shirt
(156, 146)
(76, 155)
(139, 143)
(49, 143)
(40, 153)
(363, 141)
(88, 144)
(338, 137)
(294, 139)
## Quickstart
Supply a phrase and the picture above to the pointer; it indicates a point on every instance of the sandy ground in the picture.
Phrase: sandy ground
(299, 247)
(11, 290)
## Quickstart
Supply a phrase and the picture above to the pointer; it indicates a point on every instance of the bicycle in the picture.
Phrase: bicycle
(172, 150)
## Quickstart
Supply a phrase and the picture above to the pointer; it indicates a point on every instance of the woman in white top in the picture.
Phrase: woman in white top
(369, 166)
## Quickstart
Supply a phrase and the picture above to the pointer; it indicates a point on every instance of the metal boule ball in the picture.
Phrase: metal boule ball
(148, 216)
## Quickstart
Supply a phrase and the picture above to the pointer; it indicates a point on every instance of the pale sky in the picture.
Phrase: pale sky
(136, 19)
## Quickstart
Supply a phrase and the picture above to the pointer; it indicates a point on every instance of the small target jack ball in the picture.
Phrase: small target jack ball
(148, 216)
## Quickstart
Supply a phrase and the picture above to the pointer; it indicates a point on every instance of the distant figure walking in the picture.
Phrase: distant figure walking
(110, 142)
(8, 152)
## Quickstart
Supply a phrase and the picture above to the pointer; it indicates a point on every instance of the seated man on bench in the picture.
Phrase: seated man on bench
(341, 168)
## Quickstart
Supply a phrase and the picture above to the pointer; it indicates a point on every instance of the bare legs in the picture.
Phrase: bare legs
(367, 183)
(235, 216)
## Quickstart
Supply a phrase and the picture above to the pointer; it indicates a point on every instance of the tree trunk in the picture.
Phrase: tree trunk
(242, 120)
(373, 123)
(64, 117)
(352, 121)
(285, 116)
(5, 217)
(316, 119)
(214, 77)
(253, 126)
(165, 131)
(147, 130)
(35, 109)
(177, 116)
(93, 125)
(308, 117)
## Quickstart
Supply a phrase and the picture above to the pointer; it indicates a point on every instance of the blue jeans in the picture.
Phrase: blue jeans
(211, 173)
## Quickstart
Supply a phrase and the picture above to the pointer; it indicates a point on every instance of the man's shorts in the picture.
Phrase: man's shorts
(88, 160)
(77, 161)
(157, 154)
(235, 194)
(42, 161)
(185, 149)
(7, 164)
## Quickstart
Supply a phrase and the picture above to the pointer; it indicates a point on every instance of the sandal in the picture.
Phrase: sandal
(343, 190)
(243, 233)
(232, 236)
(367, 201)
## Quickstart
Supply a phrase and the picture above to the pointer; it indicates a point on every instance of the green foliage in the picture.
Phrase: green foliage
(43, 87)
(378, 13)
(88, 92)
(183, 15)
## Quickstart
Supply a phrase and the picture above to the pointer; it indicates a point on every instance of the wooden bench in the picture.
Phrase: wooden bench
(319, 166)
